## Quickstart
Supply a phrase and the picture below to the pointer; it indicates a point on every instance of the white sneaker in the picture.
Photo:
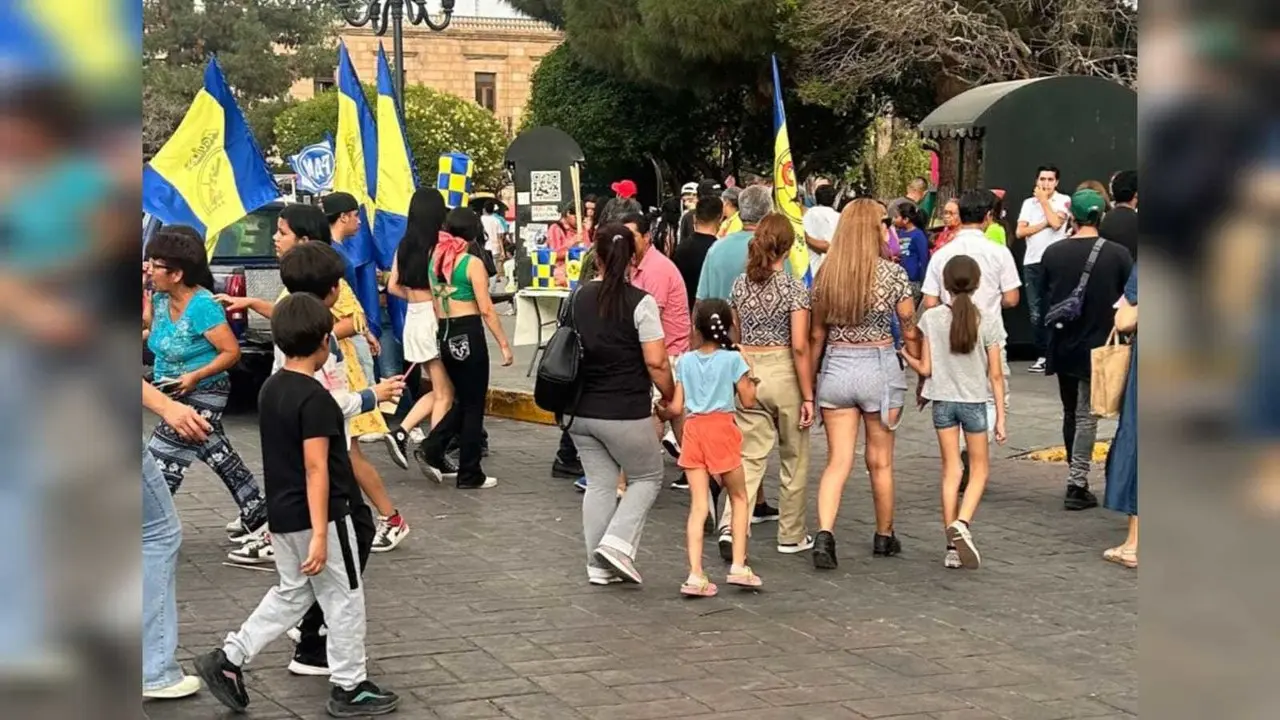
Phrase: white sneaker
(186, 687)
(670, 445)
(1037, 366)
(243, 535)
(389, 534)
(951, 560)
(257, 552)
(793, 548)
(958, 534)
(416, 435)
(488, 483)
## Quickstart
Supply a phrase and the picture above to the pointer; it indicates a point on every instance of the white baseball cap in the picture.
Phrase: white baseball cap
(690, 188)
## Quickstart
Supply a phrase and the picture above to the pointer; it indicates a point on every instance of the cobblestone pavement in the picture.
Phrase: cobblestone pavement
(484, 611)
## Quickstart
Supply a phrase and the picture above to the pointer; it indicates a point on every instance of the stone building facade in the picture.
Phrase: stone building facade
(485, 59)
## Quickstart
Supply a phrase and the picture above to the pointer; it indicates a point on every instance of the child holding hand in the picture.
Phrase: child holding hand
(960, 361)
(706, 380)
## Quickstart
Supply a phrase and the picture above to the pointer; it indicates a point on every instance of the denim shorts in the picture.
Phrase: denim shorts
(970, 416)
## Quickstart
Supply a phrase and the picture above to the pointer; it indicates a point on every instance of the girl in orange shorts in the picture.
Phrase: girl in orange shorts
(706, 380)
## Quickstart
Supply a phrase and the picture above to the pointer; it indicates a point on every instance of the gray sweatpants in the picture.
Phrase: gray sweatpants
(608, 447)
(338, 590)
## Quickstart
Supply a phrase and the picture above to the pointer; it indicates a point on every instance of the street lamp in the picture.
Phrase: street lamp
(378, 13)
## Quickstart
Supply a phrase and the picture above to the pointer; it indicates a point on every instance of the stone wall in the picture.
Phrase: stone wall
(449, 61)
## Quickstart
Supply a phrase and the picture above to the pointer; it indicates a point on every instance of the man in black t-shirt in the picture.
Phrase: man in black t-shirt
(1121, 223)
(690, 255)
(1071, 342)
(311, 493)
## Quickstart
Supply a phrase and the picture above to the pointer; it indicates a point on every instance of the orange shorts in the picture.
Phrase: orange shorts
(711, 442)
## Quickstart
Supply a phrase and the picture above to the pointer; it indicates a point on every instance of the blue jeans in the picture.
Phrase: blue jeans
(970, 416)
(22, 515)
(161, 538)
(1037, 305)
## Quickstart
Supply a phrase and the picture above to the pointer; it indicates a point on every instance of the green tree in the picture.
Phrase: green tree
(621, 123)
(263, 46)
(436, 123)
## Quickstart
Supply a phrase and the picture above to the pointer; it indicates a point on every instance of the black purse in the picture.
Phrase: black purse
(1068, 310)
(557, 386)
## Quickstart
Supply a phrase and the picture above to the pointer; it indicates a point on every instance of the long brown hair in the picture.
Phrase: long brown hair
(772, 241)
(960, 277)
(615, 245)
(845, 287)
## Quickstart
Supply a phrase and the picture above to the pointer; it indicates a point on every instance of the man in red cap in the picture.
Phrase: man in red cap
(626, 189)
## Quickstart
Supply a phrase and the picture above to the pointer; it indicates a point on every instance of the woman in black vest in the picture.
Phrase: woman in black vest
(623, 357)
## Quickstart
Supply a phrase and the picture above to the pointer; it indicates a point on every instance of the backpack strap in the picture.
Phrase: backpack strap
(1088, 265)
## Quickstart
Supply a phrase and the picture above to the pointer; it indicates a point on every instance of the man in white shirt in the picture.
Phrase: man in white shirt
(820, 225)
(493, 234)
(1042, 222)
(998, 287)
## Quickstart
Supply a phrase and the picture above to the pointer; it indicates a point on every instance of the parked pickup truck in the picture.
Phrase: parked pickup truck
(244, 263)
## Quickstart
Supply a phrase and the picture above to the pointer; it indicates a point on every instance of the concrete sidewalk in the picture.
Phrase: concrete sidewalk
(484, 612)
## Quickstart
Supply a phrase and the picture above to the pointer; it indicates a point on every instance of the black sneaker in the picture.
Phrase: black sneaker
(429, 472)
(726, 544)
(764, 513)
(964, 472)
(363, 700)
(224, 680)
(824, 551)
(885, 545)
(310, 658)
(1079, 498)
(569, 470)
(397, 439)
(681, 483)
(448, 469)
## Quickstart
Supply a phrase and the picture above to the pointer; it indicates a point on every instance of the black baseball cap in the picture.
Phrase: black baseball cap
(335, 204)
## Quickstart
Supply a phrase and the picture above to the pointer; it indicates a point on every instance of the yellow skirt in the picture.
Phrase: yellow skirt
(372, 422)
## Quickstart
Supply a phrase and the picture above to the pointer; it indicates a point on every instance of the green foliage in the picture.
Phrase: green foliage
(263, 46)
(436, 123)
(621, 123)
(892, 154)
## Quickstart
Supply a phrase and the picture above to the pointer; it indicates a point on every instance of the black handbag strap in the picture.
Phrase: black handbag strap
(1088, 265)
(568, 318)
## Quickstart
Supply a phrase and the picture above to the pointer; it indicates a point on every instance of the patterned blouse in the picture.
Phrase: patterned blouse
(891, 288)
(764, 309)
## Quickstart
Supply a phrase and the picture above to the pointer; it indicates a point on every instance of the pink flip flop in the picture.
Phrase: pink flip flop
(706, 588)
(746, 578)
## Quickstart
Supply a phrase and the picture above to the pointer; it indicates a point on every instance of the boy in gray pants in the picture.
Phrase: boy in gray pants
(310, 489)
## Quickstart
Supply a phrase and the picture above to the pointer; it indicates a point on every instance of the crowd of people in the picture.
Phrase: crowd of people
(698, 341)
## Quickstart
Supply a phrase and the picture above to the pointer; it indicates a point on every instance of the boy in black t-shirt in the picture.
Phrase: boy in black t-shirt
(311, 496)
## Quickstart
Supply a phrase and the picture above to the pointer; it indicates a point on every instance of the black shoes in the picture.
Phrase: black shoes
(824, 551)
(310, 658)
(763, 513)
(569, 470)
(398, 446)
(224, 680)
(885, 545)
(361, 701)
(1079, 498)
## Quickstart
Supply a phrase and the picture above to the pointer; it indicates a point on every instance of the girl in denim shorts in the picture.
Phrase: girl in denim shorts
(960, 361)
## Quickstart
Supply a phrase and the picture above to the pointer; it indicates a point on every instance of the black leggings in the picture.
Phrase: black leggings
(362, 522)
(466, 358)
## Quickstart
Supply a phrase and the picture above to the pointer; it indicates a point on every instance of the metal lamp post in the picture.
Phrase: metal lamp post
(381, 13)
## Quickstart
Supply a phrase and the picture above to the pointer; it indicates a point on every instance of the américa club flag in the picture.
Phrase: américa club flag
(396, 183)
(785, 191)
(355, 171)
(210, 173)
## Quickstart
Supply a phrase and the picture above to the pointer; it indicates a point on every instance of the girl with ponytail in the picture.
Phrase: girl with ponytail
(960, 361)
(707, 380)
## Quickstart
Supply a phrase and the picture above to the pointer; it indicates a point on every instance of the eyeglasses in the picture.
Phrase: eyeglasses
(159, 266)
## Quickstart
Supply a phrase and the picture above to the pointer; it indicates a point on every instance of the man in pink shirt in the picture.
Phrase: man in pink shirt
(657, 275)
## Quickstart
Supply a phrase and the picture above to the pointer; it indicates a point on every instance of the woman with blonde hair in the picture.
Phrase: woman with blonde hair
(771, 314)
(862, 309)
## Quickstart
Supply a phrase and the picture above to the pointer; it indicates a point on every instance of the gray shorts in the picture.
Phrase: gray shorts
(867, 378)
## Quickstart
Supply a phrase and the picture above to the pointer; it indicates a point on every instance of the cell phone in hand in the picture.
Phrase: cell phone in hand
(166, 385)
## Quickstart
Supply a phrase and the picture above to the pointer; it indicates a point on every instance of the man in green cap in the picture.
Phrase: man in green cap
(1085, 275)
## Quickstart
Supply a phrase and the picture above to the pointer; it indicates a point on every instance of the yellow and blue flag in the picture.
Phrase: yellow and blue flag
(454, 179)
(210, 173)
(94, 44)
(785, 191)
(396, 182)
(355, 171)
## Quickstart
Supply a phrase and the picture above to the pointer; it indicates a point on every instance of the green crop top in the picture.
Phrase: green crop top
(462, 288)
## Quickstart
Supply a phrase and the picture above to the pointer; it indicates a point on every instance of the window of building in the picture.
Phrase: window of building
(487, 91)
(324, 85)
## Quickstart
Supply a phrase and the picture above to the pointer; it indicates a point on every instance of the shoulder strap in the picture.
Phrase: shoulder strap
(1088, 266)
